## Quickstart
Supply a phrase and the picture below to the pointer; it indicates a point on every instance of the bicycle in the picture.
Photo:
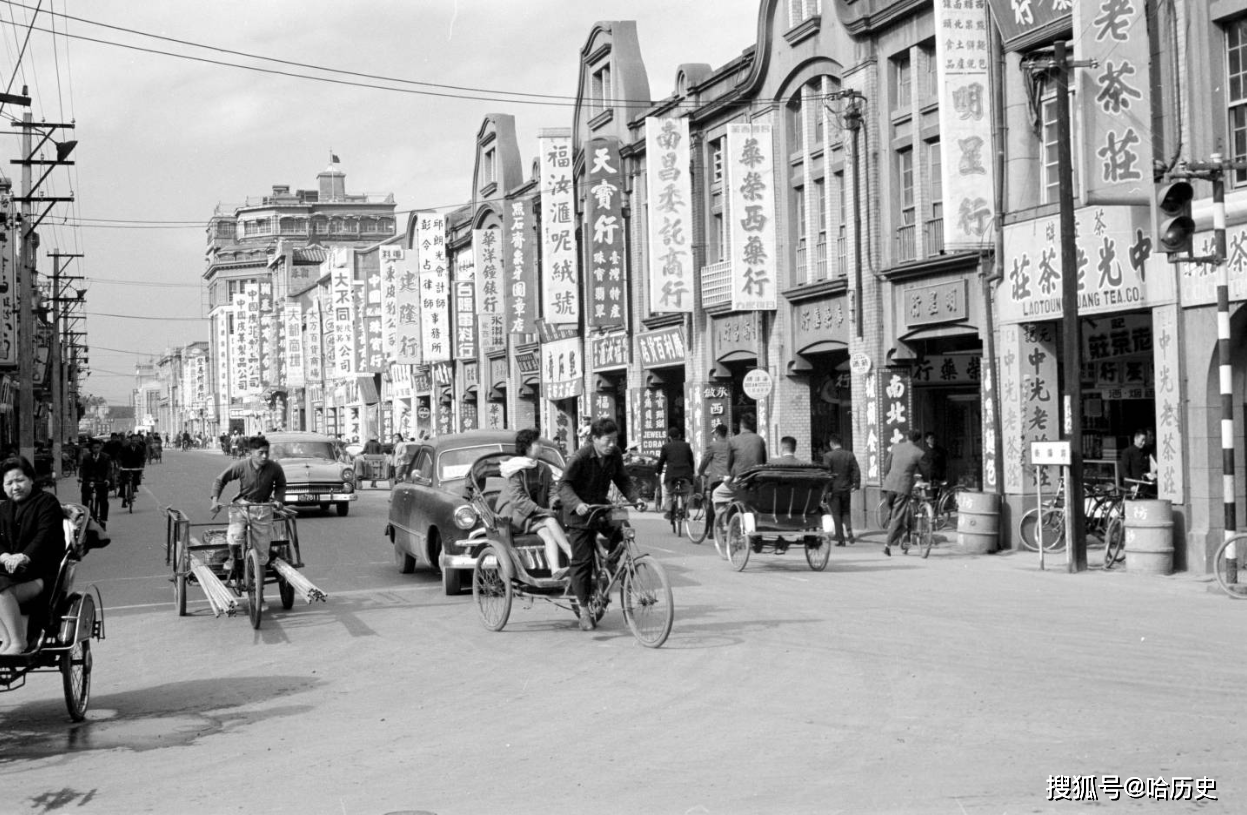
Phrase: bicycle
(680, 490)
(1230, 570)
(919, 521)
(946, 504)
(127, 486)
(701, 516)
(1115, 532)
(97, 500)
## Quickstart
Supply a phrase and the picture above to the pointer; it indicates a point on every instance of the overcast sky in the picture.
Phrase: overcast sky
(164, 140)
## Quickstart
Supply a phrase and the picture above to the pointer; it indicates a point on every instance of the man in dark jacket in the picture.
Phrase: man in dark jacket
(902, 470)
(675, 462)
(746, 449)
(587, 479)
(96, 472)
(846, 478)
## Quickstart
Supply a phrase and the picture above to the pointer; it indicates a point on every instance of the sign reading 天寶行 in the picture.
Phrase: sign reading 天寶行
(1115, 98)
(963, 56)
(434, 295)
(604, 226)
(751, 174)
(560, 291)
(670, 215)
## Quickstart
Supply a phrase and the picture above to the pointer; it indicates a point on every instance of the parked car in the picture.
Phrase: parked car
(315, 475)
(430, 517)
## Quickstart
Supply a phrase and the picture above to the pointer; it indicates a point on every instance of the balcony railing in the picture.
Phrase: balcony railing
(820, 258)
(716, 284)
(935, 236)
(803, 260)
(842, 260)
(906, 245)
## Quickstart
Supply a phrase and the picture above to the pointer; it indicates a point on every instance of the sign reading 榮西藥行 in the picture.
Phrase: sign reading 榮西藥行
(963, 58)
(670, 208)
(604, 226)
(662, 348)
(751, 170)
(560, 290)
(610, 350)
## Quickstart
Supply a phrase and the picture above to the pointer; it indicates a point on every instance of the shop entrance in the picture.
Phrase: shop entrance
(831, 402)
(1118, 388)
(947, 402)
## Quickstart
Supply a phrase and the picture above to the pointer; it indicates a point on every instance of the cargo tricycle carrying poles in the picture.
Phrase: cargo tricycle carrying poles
(267, 551)
(63, 622)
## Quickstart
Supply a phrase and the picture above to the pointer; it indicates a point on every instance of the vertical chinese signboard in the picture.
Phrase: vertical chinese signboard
(490, 307)
(294, 345)
(315, 342)
(560, 300)
(1116, 101)
(520, 267)
(562, 374)
(434, 276)
(670, 215)
(465, 319)
(706, 406)
(990, 453)
(342, 298)
(895, 402)
(605, 228)
(653, 420)
(270, 350)
(329, 337)
(1168, 359)
(962, 54)
(393, 266)
(407, 349)
(8, 288)
(372, 357)
(751, 174)
(1029, 397)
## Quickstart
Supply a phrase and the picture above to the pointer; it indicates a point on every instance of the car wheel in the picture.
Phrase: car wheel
(343, 507)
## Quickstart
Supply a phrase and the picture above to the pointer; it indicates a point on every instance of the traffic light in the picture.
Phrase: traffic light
(1175, 228)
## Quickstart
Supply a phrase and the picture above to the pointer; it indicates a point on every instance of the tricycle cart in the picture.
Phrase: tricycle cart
(227, 574)
(62, 623)
(775, 507)
(373, 468)
(510, 566)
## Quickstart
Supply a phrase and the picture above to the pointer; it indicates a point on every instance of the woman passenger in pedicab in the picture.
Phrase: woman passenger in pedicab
(32, 541)
(526, 499)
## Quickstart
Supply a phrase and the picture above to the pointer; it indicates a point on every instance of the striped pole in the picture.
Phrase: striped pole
(1223, 365)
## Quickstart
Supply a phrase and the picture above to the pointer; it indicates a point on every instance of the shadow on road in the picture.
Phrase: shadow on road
(167, 715)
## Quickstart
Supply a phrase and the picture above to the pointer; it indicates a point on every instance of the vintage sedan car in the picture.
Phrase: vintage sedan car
(430, 517)
(315, 475)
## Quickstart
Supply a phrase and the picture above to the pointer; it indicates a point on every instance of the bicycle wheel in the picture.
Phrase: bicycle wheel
(818, 552)
(924, 532)
(946, 509)
(1051, 530)
(907, 539)
(698, 523)
(737, 544)
(718, 533)
(76, 679)
(1231, 575)
(253, 579)
(491, 588)
(645, 596)
(676, 509)
(883, 513)
(1114, 543)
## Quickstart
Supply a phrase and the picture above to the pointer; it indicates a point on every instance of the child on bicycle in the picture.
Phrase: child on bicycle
(526, 503)
(591, 471)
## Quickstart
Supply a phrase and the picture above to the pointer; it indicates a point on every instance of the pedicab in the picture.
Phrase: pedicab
(227, 575)
(510, 566)
(63, 621)
(775, 507)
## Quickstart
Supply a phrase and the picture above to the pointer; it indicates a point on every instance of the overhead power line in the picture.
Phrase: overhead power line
(148, 317)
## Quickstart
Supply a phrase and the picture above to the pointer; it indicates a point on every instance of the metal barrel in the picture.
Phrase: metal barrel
(1149, 536)
(978, 522)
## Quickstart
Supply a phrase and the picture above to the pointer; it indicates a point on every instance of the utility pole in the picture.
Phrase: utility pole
(58, 382)
(26, 268)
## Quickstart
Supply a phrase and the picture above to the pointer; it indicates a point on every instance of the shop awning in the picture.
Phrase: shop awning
(906, 346)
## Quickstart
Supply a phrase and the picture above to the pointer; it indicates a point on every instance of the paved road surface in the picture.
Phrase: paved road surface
(956, 684)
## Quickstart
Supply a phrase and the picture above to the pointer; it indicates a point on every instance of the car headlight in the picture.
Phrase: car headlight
(465, 517)
(348, 474)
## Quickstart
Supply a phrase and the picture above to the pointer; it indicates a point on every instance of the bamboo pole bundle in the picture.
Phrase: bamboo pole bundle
(297, 581)
(219, 597)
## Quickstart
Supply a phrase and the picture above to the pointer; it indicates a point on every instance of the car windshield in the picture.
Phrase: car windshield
(301, 449)
(453, 464)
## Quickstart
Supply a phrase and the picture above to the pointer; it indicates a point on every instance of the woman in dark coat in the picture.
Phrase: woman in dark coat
(32, 541)
(526, 500)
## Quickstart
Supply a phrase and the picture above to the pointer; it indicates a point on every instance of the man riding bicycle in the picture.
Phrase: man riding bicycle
(675, 462)
(259, 482)
(587, 479)
(133, 458)
(96, 473)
